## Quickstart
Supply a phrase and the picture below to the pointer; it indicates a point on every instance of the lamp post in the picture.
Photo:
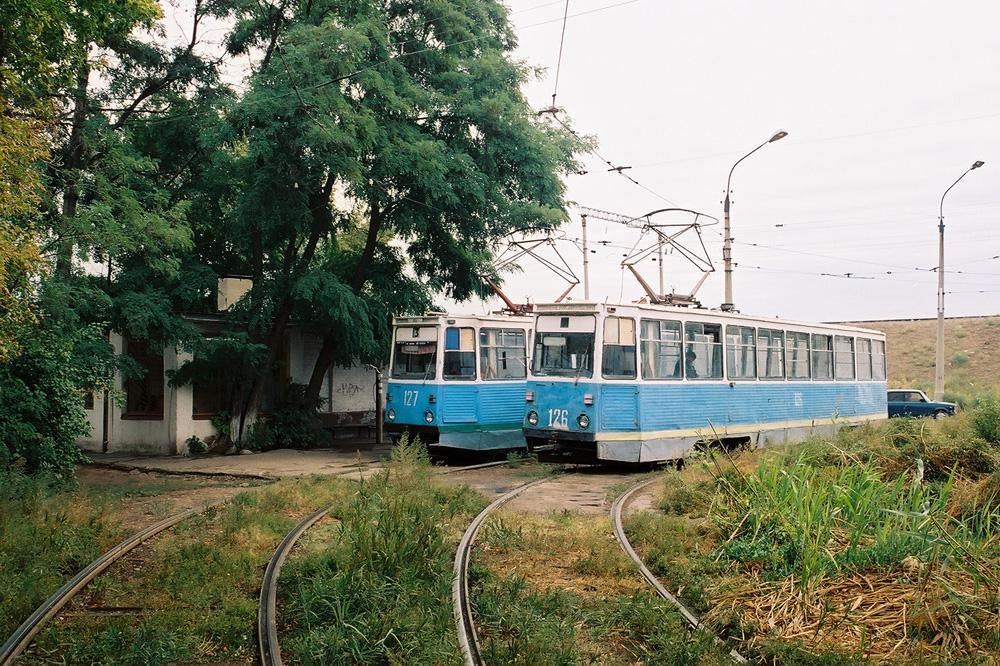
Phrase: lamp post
(727, 240)
(939, 355)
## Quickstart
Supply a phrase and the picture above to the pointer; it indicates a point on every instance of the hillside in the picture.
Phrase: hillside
(972, 353)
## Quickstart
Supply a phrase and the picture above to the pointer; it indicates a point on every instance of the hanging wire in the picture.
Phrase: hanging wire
(562, 39)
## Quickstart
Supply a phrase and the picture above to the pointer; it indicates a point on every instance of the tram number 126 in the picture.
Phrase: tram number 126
(559, 418)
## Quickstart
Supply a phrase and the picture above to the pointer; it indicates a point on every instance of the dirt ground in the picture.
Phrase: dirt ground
(587, 490)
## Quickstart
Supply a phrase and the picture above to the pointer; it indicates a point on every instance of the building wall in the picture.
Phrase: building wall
(348, 393)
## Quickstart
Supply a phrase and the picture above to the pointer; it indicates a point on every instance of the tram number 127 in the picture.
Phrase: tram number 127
(559, 418)
(410, 398)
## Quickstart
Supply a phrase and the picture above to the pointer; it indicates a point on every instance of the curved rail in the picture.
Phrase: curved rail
(24, 634)
(467, 638)
(267, 613)
(617, 508)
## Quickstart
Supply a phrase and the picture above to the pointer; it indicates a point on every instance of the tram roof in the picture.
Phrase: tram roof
(435, 318)
(686, 313)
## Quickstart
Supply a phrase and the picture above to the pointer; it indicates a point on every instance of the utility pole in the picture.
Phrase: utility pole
(586, 259)
(659, 260)
(939, 351)
(727, 238)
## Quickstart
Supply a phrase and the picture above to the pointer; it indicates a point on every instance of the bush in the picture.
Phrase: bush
(292, 425)
(195, 445)
(41, 406)
(985, 420)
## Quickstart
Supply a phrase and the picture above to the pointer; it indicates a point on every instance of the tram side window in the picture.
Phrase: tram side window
(459, 353)
(661, 349)
(618, 351)
(770, 353)
(843, 356)
(703, 350)
(797, 355)
(878, 360)
(864, 359)
(822, 357)
(740, 352)
(502, 353)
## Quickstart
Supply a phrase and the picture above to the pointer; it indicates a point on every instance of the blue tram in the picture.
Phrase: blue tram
(458, 382)
(642, 383)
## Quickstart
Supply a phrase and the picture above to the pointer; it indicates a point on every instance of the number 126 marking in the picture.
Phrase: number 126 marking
(559, 418)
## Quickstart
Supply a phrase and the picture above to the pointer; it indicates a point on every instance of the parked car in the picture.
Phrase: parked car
(911, 402)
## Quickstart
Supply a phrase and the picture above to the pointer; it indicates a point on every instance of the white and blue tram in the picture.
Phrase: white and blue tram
(642, 383)
(458, 381)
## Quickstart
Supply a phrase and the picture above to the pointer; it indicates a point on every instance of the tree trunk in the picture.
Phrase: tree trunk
(321, 218)
(72, 162)
(325, 357)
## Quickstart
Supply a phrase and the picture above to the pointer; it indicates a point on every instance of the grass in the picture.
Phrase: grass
(380, 592)
(883, 542)
(47, 534)
(556, 589)
(190, 596)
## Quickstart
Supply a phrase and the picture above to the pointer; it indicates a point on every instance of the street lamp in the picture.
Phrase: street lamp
(939, 356)
(727, 240)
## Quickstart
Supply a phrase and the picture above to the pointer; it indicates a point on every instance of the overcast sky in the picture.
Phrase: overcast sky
(885, 103)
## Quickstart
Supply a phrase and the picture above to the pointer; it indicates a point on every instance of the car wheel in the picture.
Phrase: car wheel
(940, 414)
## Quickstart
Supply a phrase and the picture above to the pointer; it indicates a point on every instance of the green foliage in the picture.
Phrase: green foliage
(959, 359)
(291, 425)
(41, 406)
(985, 420)
(195, 445)
(382, 591)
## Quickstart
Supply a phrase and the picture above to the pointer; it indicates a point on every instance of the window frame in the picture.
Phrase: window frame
(790, 349)
(861, 355)
(883, 370)
(836, 360)
(445, 351)
(485, 347)
(143, 355)
(713, 346)
(813, 351)
(658, 342)
(634, 345)
(742, 346)
(767, 353)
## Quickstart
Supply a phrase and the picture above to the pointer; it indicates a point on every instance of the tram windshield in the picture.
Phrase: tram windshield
(414, 355)
(563, 354)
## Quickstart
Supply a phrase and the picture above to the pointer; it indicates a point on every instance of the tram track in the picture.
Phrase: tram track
(617, 511)
(22, 637)
(268, 644)
(468, 639)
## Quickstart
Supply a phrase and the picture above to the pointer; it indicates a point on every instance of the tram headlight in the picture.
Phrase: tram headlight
(532, 418)
(391, 414)
(429, 416)
(583, 421)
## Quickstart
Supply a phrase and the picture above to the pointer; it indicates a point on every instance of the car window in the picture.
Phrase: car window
(896, 396)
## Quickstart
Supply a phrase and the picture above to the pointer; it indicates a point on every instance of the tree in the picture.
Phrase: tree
(384, 149)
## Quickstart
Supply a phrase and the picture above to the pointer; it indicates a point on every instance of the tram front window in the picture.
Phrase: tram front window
(563, 355)
(414, 356)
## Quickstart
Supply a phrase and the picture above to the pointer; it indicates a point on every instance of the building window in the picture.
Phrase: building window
(703, 350)
(618, 352)
(822, 357)
(770, 354)
(661, 349)
(864, 359)
(144, 394)
(460, 353)
(797, 355)
(502, 353)
(741, 345)
(88, 400)
(878, 360)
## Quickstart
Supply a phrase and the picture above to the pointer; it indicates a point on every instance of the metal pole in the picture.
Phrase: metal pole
(379, 409)
(659, 259)
(939, 352)
(586, 260)
(727, 254)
